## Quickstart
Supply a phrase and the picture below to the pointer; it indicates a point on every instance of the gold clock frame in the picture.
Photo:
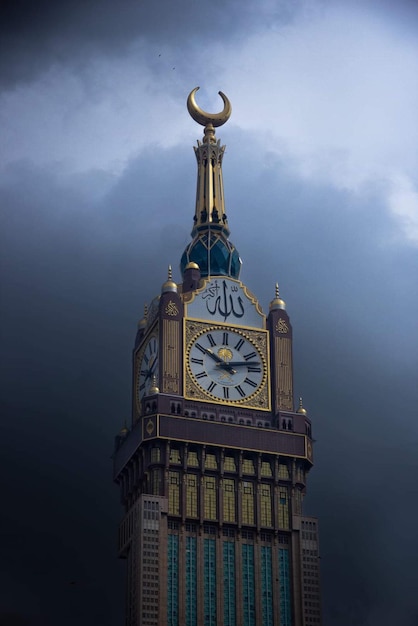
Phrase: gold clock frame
(154, 332)
(260, 399)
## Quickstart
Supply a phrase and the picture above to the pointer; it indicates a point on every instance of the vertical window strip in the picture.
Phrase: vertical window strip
(174, 493)
(191, 495)
(172, 581)
(247, 503)
(285, 602)
(283, 508)
(248, 600)
(266, 519)
(267, 586)
(210, 498)
(229, 583)
(229, 500)
(191, 582)
(155, 482)
(209, 569)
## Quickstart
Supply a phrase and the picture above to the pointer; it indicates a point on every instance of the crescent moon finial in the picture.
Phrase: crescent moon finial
(203, 118)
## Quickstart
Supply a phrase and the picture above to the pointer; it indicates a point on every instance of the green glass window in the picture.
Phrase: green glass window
(209, 573)
(172, 581)
(229, 583)
(191, 582)
(285, 600)
(266, 586)
(248, 595)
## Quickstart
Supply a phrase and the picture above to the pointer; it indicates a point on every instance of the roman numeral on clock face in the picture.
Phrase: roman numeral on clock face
(211, 386)
(211, 340)
(250, 382)
(201, 375)
(251, 368)
(239, 344)
(225, 339)
(201, 348)
(197, 361)
(250, 355)
(240, 391)
(226, 393)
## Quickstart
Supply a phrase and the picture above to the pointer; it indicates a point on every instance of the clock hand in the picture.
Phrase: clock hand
(151, 369)
(238, 363)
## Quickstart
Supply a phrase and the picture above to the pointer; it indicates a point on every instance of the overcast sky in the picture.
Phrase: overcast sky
(97, 187)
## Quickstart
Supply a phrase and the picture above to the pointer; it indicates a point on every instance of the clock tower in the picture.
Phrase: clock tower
(212, 471)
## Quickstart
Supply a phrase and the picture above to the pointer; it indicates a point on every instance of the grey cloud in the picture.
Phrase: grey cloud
(37, 37)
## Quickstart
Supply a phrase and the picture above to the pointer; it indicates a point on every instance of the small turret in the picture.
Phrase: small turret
(277, 303)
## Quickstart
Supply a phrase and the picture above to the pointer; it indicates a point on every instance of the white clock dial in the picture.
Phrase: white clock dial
(226, 365)
(148, 367)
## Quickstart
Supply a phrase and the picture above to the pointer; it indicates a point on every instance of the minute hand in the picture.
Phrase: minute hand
(238, 363)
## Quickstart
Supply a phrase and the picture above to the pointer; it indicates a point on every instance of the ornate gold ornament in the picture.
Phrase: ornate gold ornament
(281, 326)
(171, 308)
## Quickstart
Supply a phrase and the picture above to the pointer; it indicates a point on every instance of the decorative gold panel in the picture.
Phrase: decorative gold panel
(284, 382)
(171, 360)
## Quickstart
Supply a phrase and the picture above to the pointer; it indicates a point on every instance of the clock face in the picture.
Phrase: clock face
(226, 365)
(148, 367)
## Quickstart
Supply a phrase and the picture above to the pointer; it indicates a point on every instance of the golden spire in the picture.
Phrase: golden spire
(143, 322)
(301, 409)
(210, 205)
(154, 388)
(277, 303)
(124, 430)
(169, 284)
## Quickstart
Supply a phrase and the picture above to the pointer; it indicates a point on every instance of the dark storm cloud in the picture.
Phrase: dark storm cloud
(37, 36)
(77, 267)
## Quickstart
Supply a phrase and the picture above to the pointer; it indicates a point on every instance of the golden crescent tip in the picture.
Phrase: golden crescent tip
(201, 117)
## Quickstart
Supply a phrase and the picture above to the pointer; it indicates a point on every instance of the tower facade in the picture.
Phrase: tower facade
(212, 472)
